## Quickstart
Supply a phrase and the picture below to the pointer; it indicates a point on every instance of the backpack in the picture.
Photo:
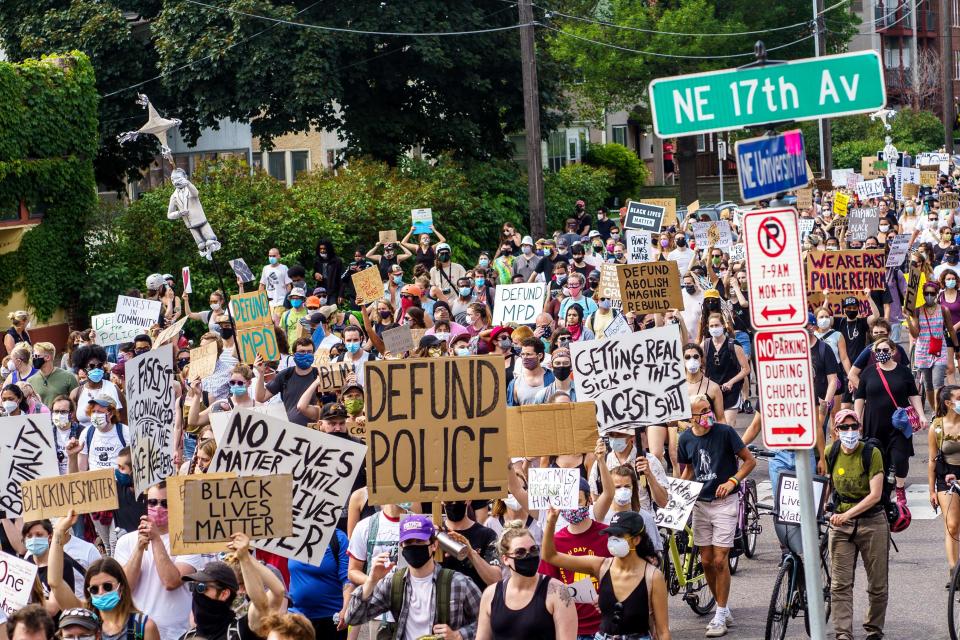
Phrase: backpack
(136, 626)
(123, 441)
(866, 455)
(442, 611)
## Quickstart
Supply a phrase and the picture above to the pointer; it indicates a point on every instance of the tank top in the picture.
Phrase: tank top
(931, 326)
(953, 307)
(525, 393)
(634, 611)
(19, 337)
(582, 466)
(533, 622)
(722, 364)
(950, 446)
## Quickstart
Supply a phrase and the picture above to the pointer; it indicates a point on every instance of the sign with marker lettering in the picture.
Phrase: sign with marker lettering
(519, 303)
(151, 407)
(899, 246)
(609, 287)
(333, 376)
(651, 287)
(682, 495)
(713, 234)
(436, 429)
(862, 223)
(110, 332)
(398, 340)
(871, 188)
(636, 379)
(17, 583)
(259, 506)
(422, 220)
(253, 322)
(555, 487)
(85, 492)
(27, 452)
(368, 285)
(137, 312)
(788, 497)
(639, 246)
(644, 217)
(324, 468)
(842, 271)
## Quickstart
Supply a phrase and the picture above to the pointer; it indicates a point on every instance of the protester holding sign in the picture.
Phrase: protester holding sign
(92, 359)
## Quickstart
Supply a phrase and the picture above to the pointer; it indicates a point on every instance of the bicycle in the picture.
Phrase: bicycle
(683, 569)
(748, 525)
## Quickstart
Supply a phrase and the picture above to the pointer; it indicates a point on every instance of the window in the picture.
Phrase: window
(277, 165)
(556, 150)
(301, 162)
(701, 143)
(954, 13)
(620, 134)
(956, 65)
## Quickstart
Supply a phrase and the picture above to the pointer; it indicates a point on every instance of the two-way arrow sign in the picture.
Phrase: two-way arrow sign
(767, 312)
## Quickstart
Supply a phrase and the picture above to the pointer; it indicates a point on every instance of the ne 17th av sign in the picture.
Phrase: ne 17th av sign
(805, 89)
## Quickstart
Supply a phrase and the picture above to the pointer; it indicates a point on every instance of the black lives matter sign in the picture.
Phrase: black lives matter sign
(644, 217)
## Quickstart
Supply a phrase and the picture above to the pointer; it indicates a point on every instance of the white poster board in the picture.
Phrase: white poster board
(138, 312)
(870, 188)
(682, 495)
(788, 497)
(582, 591)
(899, 248)
(17, 583)
(151, 407)
(716, 233)
(27, 452)
(110, 332)
(553, 487)
(519, 303)
(639, 246)
(618, 326)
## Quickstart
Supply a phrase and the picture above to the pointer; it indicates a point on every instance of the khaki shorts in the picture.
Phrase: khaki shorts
(715, 523)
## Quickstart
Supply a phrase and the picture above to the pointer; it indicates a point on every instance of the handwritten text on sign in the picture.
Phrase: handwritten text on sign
(519, 303)
(323, 467)
(436, 429)
(27, 452)
(138, 312)
(788, 498)
(651, 287)
(86, 492)
(254, 325)
(553, 487)
(16, 583)
(259, 506)
(635, 379)
(150, 411)
(682, 496)
(851, 270)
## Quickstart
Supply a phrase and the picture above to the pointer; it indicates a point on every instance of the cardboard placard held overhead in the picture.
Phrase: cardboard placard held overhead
(422, 220)
(551, 429)
(929, 178)
(368, 285)
(669, 209)
(185, 274)
(867, 167)
(110, 332)
(693, 207)
(519, 303)
(716, 233)
(862, 223)
(84, 492)
(253, 322)
(388, 237)
(644, 217)
(203, 360)
(824, 185)
(436, 429)
(241, 270)
(170, 333)
(871, 188)
(651, 287)
(259, 506)
(398, 340)
(841, 271)
(949, 200)
(910, 190)
(332, 376)
(639, 246)
(176, 486)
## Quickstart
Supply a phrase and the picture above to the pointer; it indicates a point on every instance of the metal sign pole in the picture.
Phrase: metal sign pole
(811, 546)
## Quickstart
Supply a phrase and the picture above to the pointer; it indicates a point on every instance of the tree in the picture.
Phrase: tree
(629, 173)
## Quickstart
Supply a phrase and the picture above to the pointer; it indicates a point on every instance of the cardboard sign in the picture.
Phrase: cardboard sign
(368, 285)
(185, 274)
(151, 407)
(862, 223)
(551, 429)
(255, 334)
(652, 287)
(176, 485)
(85, 492)
(899, 246)
(868, 169)
(324, 468)
(682, 496)
(804, 199)
(17, 584)
(582, 591)
(949, 200)
(398, 340)
(871, 189)
(259, 506)
(669, 209)
(388, 237)
(913, 288)
(904, 176)
(609, 286)
(241, 270)
(787, 510)
(841, 202)
(417, 334)
(553, 487)
(644, 217)
(519, 303)
(617, 326)
(138, 312)
(843, 271)
(693, 207)
(835, 302)
(203, 360)
(110, 332)
(27, 452)
(824, 185)
(170, 333)
(910, 190)
(422, 220)
(639, 246)
(716, 233)
(634, 380)
(333, 376)
(436, 429)
(929, 178)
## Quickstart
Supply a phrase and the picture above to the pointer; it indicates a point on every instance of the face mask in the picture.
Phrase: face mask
(512, 503)
(716, 332)
(354, 406)
(353, 347)
(851, 313)
(273, 260)
(716, 260)
(693, 366)
(99, 420)
(690, 289)
(575, 291)
(615, 236)
(212, 616)
(530, 363)
(61, 420)
(884, 228)
(444, 256)
(527, 566)
(561, 373)
(238, 389)
(956, 406)
(929, 298)
(575, 516)
(443, 336)
(849, 438)
(882, 357)
(465, 291)
(95, 375)
(605, 305)
(456, 511)
(706, 421)
(398, 280)
(618, 444)
(824, 323)
(385, 314)
(38, 362)
(463, 351)
(623, 496)
(681, 242)
(9, 406)
(158, 516)
(526, 249)
(123, 479)
(480, 281)
(183, 362)
(303, 360)
(37, 546)
(484, 262)
(416, 555)
(618, 547)
(214, 307)
(105, 601)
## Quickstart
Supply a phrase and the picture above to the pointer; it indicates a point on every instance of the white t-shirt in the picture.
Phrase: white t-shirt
(683, 257)
(656, 468)
(83, 399)
(63, 437)
(275, 280)
(85, 554)
(419, 620)
(387, 539)
(104, 446)
(170, 610)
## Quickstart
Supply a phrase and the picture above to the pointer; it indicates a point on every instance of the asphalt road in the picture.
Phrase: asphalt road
(917, 605)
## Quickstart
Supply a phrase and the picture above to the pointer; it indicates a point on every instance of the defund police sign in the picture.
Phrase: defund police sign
(770, 165)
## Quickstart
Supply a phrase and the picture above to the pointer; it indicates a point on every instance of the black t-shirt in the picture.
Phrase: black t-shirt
(484, 541)
(291, 385)
(584, 220)
(713, 456)
(69, 566)
(854, 332)
(878, 408)
(604, 226)
(824, 363)
(545, 266)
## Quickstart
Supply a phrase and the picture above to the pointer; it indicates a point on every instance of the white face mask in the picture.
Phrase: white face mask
(692, 365)
(618, 547)
(618, 444)
(512, 503)
(824, 323)
(956, 406)
(622, 496)
(716, 332)
(9, 406)
(61, 419)
(99, 420)
(849, 438)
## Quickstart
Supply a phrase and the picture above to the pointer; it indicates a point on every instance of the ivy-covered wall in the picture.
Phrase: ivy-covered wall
(48, 140)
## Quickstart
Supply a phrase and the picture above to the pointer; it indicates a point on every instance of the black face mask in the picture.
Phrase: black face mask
(852, 313)
(527, 566)
(681, 242)
(213, 617)
(691, 289)
(561, 373)
(226, 334)
(456, 511)
(183, 362)
(416, 555)
(38, 362)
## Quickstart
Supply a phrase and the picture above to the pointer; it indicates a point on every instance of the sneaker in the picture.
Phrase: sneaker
(729, 620)
(901, 496)
(716, 629)
(874, 636)
(746, 407)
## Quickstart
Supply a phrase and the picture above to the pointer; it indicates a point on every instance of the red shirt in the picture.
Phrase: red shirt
(589, 543)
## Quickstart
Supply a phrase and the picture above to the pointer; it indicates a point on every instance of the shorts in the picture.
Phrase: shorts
(731, 399)
(743, 339)
(932, 377)
(715, 523)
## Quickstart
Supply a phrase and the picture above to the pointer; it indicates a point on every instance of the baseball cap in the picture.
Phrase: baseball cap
(349, 386)
(526, 240)
(104, 400)
(428, 341)
(850, 301)
(844, 414)
(593, 234)
(625, 523)
(811, 319)
(711, 293)
(333, 410)
(313, 301)
(79, 617)
(317, 317)
(328, 310)
(298, 290)
(216, 571)
(416, 527)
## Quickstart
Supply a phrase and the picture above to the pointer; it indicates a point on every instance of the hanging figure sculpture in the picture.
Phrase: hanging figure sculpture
(185, 205)
(155, 126)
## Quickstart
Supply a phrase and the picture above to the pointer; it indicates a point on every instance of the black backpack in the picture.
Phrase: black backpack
(866, 456)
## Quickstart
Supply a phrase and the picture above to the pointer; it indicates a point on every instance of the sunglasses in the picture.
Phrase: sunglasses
(523, 552)
(692, 356)
(563, 339)
(848, 426)
(106, 587)
(238, 382)
(153, 502)
(200, 587)
(94, 365)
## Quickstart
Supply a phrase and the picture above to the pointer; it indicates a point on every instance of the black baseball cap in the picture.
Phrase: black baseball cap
(850, 301)
(625, 523)
(333, 410)
(216, 571)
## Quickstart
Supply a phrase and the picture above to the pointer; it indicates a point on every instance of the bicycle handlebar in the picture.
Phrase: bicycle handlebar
(760, 453)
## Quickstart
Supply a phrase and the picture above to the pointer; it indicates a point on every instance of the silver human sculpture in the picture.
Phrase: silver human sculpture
(890, 155)
(155, 126)
(185, 205)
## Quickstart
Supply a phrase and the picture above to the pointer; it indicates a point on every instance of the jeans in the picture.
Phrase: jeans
(868, 536)
(743, 339)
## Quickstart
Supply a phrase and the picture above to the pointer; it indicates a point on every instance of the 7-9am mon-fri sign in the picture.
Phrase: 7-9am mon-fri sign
(798, 90)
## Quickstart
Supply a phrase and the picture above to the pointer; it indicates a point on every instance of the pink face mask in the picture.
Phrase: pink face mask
(158, 516)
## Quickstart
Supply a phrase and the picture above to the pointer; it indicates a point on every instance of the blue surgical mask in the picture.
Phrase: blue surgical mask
(484, 262)
(397, 279)
(353, 347)
(303, 360)
(618, 444)
(95, 375)
(465, 291)
(273, 259)
(296, 303)
(105, 601)
(480, 281)
(463, 351)
(37, 546)
(239, 389)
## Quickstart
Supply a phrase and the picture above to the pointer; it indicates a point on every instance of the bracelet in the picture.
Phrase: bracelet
(734, 480)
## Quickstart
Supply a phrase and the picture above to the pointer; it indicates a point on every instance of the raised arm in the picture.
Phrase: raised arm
(306, 405)
(548, 551)
(65, 596)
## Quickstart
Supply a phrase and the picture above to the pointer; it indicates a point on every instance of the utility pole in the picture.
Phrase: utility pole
(531, 118)
(914, 56)
(946, 57)
(820, 45)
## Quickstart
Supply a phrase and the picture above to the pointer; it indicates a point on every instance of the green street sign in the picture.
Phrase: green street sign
(806, 89)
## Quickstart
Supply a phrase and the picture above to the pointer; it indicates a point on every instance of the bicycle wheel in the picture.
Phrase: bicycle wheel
(825, 575)
(752, 514)
(953, 605)
(698, 594)
(733, 562)
(779, 612)
(666, 567)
